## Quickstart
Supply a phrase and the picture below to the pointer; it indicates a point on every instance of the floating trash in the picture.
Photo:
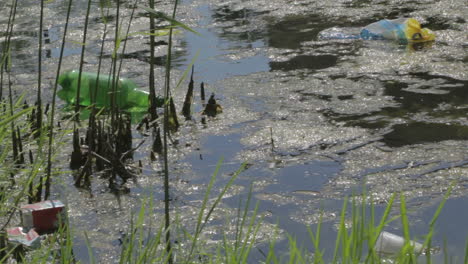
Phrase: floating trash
(17, 236)
(404, 30)
(388, 243)
(128, 97)
(43, 216)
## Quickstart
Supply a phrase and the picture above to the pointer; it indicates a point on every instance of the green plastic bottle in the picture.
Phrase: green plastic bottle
(128, 97)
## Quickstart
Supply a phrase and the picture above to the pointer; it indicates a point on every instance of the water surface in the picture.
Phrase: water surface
(340, 114)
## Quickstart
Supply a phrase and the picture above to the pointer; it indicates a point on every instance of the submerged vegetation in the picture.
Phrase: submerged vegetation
(101, 133)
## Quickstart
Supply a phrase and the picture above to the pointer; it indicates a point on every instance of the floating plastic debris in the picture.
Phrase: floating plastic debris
(17, 236)
(404, 30)
(43, 216)
(388, 243)
(128, 96)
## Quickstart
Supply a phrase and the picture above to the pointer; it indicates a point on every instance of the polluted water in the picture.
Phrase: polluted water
(315, 118)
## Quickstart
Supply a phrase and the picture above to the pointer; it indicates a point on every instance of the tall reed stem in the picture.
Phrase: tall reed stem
(92, 117)
(52, 111)
(78, 90)
(38, 125)
(7, 62)
(114, 68)
(166, 134)
(6, 43)
(152, 99)
(126, 36)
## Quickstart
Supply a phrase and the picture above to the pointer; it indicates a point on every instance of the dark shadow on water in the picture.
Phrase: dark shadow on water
(418, 132)
(412, 102)
(440, 22)
(292, 31)
(235, 19)
(305, 62)
(445, 98)
(240, 17)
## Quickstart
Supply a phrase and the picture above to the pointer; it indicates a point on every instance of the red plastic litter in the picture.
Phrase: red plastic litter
(16, 235)
(43, 216)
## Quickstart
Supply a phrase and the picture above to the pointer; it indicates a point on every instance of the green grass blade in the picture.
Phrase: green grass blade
(428, 241)
(184, 75)
(7, 121)
(318, 256)
(373, 236)
(221, 194)
(202, 209)
(92, 260)
(172, 21)
(240, 225)
(466, 252)
(250, 235)
(341, 231)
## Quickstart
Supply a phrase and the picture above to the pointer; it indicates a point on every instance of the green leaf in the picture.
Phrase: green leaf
(184, 75)
(77, 42)
(173, 22)
(159, 33)
(7, 120)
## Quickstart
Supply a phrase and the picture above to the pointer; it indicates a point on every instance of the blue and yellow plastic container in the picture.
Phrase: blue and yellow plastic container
(402, 29)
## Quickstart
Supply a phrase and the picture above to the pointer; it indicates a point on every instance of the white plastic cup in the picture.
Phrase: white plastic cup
(388, 243)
